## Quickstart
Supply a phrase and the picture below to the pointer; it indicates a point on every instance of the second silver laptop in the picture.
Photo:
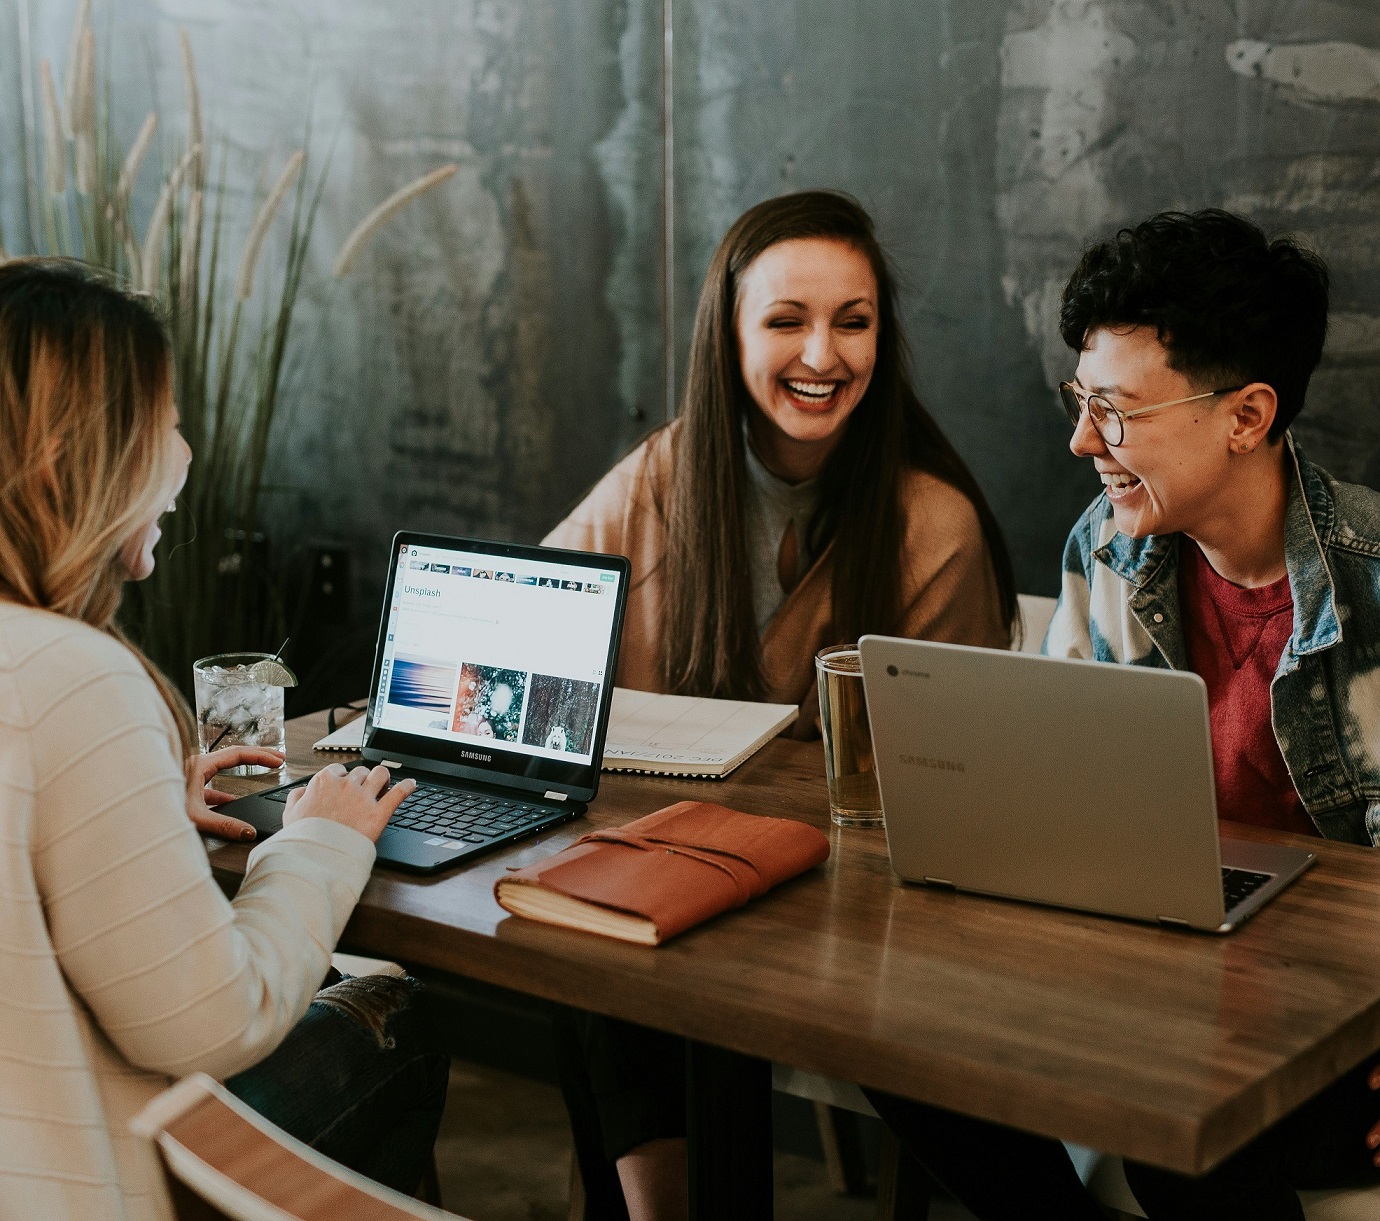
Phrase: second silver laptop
(1073, 783)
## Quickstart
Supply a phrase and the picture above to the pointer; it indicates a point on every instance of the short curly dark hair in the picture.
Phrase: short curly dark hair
(1230, 304)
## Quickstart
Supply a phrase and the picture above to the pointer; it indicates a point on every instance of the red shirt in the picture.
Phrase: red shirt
(1234, 638)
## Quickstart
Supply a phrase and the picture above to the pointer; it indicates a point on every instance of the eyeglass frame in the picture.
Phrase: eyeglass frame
(1123, 416)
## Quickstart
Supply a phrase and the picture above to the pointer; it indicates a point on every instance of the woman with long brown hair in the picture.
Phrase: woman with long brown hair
(802, 413)
(125, 964)
(802, 497)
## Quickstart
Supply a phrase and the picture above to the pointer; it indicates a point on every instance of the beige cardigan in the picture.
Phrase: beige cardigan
(949, 590)
(123, 965)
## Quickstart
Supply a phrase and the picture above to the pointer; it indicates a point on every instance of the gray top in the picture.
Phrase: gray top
(771, 504)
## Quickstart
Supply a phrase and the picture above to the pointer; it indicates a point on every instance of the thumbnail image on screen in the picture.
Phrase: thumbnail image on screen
(561, 714)
(420, 683)
(488, 702)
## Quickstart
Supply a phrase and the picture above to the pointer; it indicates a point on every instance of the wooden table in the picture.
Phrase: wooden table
(1169, 1047)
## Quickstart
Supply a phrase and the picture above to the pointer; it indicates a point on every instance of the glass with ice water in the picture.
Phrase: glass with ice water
(236, 707)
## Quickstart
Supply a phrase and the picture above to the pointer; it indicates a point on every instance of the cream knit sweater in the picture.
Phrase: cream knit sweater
(122, 966)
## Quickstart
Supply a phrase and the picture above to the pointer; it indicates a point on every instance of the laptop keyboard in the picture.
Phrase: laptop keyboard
(473, 818)
(1238, 885)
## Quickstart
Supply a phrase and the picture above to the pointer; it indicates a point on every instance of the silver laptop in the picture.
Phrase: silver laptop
(1073, 783)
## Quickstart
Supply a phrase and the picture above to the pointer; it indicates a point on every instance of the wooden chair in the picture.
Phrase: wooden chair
(1036, 612)
(225, 1162)
(903, 1187)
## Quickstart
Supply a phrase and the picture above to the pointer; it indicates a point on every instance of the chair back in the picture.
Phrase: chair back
(225, 1161)
(1036, 612)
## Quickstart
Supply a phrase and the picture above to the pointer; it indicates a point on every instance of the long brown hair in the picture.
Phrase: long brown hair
(711, 642)
(85, 404)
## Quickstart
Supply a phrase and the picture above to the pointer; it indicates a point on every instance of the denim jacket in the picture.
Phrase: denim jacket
(1120, 603)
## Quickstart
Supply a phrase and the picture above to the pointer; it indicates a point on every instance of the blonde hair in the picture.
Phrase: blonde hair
(85, 404)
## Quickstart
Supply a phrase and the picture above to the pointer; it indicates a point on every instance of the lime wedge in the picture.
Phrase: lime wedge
(272, 674)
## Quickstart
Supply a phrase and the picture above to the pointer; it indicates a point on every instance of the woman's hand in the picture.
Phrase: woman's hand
(202, 769)
(359, 798)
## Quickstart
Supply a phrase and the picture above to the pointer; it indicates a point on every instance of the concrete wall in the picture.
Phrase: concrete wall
(503, 341)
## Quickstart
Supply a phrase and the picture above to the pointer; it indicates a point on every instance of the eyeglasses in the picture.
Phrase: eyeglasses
(1111, 423)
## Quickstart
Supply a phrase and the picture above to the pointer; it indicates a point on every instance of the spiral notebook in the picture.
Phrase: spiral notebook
(664, 735)
(681, 735)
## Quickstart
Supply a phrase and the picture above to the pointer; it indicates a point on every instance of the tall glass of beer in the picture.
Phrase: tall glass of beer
(853, 797)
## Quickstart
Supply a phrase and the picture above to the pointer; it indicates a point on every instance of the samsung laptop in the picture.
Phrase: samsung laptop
(1073, 783)
(491, 687)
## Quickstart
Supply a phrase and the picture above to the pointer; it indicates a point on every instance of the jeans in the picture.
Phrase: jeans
(1001, 1174)
(361, 1079)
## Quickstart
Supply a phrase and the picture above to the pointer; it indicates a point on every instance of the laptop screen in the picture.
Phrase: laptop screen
(497, 655)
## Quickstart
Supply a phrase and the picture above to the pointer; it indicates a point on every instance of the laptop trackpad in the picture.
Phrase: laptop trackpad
(262, 812)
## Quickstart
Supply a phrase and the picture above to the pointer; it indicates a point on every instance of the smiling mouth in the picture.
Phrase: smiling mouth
(811, 393)
(1119, 483)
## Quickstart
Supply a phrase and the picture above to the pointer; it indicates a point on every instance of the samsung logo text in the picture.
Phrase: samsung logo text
(477, 756)
(937, 765)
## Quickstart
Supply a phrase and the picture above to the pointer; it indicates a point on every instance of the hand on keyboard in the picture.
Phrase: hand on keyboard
(360, 798)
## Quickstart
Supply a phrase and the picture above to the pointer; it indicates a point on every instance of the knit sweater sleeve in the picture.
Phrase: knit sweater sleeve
(177, 977)
(950, 591)
(610, 514)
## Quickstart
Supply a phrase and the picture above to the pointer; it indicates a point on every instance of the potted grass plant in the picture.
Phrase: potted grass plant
(231, 328)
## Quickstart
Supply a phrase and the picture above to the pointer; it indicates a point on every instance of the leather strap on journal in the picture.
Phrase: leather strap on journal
(703, 854)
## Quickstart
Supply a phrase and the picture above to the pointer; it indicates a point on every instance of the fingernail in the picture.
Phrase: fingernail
(247, 833)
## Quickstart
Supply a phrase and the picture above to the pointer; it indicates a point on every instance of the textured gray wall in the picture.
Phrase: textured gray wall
(502, 343)
(483, 362)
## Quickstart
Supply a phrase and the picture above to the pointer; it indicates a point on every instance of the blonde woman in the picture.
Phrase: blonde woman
(125, 966)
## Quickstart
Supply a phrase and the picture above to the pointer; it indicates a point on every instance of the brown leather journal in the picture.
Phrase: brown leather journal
(662, 874)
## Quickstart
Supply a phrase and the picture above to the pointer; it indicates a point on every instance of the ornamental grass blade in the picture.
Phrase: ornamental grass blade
(366, 229)
(244, 277)
(191, 251)
(130, 244)
(72, 66)
(54, 145)
(195, 138)
(272, 362)
(83, 115)
(151, 258)
(129, 173)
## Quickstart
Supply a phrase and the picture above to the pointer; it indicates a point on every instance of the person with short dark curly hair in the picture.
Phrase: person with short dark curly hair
(1216, 546)
(1227, 303)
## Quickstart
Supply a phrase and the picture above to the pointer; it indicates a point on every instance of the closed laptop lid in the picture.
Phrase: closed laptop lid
(1074, 783)
(495, 662)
